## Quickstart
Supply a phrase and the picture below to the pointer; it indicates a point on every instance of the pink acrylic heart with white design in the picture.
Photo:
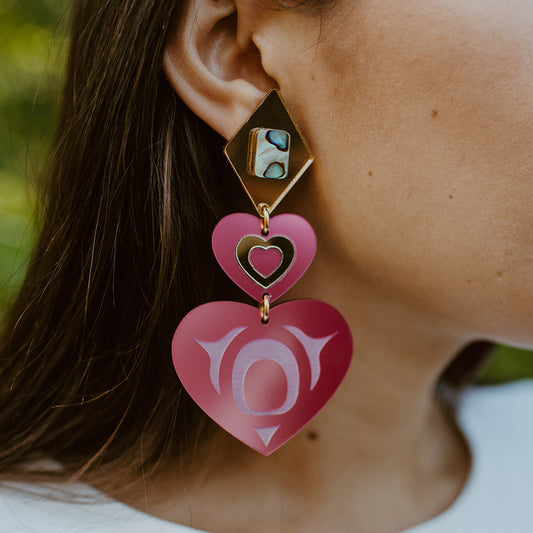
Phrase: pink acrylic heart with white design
(261, 264)
(262, 382)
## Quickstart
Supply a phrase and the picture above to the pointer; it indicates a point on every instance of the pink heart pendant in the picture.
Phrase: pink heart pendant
(262, 382)
(261, 264)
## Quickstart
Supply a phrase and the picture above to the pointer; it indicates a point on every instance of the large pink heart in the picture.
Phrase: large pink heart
(261, 264)
(262, 382)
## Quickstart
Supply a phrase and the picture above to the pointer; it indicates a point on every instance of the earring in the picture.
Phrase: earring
(263, 374)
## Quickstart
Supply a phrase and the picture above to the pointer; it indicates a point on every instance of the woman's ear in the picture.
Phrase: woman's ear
(214, 65)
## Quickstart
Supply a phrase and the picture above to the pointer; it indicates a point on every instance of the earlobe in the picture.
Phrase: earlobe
(214, 65)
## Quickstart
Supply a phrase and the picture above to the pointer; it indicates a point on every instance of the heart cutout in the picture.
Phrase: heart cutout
(265, 260)
(262, 382)
(236, 235)
(252, 243)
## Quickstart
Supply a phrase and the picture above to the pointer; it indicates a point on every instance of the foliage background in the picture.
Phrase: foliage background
(32, 52)
(32, 46)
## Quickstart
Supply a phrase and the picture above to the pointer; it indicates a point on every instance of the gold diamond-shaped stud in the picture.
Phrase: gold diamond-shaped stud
(269, 152)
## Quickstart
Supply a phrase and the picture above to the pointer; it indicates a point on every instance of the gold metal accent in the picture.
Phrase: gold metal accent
(264, 210)
(248, 243)
(264, 308)
(271, 113)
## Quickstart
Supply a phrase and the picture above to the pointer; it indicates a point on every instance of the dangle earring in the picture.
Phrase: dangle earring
(263, 374)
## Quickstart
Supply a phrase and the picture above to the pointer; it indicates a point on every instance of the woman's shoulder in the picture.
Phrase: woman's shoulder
(53, 508)
(498, 425)
(501, 412)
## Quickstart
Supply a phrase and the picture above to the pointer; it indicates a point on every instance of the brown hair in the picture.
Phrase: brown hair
(123, 253)
(135, 185)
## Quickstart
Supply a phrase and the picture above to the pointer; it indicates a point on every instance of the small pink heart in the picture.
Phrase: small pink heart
(265, 260)
(262, 382)
(261, 264)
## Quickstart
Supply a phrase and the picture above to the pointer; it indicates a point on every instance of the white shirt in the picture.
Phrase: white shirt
(497, 498)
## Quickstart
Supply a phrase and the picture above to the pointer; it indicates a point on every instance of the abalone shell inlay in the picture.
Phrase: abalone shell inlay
(275, 171)
(269, 152)
(278, 138)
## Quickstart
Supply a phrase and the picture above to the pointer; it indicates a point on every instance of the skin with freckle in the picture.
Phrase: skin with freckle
(437, 99)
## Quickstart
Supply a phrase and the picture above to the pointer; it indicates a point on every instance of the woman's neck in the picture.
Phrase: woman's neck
(380, 457)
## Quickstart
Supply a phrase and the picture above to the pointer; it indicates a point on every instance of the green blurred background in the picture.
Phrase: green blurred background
(32, 53)
(32, 49)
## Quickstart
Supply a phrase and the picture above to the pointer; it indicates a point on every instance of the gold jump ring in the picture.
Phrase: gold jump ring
(264, 308)
(265, 218)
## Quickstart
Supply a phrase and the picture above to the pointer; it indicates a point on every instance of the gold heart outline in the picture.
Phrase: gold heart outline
(249, 242)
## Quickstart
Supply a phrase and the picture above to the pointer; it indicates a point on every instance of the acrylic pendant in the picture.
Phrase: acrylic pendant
(260, 263)
(262, 382)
